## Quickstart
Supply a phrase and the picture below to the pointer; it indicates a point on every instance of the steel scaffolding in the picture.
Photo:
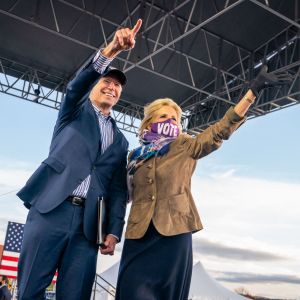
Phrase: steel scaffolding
(171, 32)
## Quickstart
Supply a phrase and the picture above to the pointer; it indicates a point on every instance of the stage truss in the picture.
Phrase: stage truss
(170, 33)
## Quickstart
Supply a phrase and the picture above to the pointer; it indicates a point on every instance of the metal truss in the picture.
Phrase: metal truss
(26, 85)
(202, 110)
(165, 31)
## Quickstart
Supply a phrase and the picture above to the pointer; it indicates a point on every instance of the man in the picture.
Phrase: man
(87, 160)
(4, 291)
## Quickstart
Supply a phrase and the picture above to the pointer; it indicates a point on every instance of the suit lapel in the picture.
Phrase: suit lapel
(116, 140)
(117, 132)
(90, 129)
(94, 117)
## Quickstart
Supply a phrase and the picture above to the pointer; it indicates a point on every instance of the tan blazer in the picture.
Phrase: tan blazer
(162, 185)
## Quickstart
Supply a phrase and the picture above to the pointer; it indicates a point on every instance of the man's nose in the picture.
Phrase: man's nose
(111, 85)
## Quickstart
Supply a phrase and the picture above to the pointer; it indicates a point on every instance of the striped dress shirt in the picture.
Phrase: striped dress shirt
(100, 63)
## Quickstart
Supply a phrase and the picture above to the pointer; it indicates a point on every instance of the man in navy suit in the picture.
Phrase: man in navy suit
(87, 160)
(4, 291)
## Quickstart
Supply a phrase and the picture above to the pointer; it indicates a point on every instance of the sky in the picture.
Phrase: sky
(247, 194)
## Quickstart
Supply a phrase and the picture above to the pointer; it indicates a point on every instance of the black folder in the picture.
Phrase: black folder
(101, 222)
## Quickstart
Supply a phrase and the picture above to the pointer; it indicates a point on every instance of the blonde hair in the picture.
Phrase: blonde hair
(153, 107)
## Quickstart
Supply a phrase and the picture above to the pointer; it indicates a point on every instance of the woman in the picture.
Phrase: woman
(156, 262)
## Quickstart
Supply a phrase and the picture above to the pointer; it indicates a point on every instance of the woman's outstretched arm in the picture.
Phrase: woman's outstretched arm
(243, 105)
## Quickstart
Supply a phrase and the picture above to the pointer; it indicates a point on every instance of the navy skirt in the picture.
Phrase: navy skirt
(156, 267)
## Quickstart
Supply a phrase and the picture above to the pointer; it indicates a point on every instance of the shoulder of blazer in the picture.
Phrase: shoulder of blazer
(64, 119)
(181, 139)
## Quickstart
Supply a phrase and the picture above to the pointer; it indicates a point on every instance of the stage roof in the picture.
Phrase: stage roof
(200, 53)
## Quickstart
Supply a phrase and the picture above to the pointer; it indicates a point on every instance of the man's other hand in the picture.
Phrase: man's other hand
(109, 245)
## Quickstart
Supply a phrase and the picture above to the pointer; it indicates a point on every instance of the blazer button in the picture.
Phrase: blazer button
(149, 166)
(150, 180)
(152, 197)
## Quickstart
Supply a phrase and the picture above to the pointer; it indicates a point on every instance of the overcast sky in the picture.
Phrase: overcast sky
(247, 194)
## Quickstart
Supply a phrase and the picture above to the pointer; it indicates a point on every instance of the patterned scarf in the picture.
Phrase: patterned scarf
(157, 147)
(152, 144)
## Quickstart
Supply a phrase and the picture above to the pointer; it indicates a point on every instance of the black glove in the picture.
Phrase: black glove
(265, 79)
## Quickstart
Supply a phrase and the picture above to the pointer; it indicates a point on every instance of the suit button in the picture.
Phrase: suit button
(149, 166)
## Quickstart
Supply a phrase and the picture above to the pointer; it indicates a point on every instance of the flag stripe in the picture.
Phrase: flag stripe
(9, 268)
(10, 253)
(9, 263)
(10, 274)
(6, 257)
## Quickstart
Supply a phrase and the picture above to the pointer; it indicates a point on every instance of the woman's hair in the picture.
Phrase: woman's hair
(153, 107)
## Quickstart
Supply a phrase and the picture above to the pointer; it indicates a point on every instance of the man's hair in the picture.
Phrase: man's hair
(153, 107)
(5, 279)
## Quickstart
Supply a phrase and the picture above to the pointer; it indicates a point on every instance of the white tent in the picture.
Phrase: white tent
(111, 274)
(203, 286)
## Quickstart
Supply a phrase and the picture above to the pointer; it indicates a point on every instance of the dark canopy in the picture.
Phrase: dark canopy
(200, 53)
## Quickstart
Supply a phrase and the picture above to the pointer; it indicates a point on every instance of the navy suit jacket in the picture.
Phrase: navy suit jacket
(75, 152)
(5, 293)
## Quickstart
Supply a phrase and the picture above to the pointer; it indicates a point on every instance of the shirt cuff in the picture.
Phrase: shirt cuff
(114, 236)
(100, 62)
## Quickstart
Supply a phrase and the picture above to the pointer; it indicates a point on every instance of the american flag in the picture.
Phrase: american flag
(11, 250)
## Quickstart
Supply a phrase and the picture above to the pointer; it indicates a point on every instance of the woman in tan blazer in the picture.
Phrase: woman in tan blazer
(157, 259)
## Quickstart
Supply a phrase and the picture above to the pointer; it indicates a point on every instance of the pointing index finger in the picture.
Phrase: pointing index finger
(137, 27)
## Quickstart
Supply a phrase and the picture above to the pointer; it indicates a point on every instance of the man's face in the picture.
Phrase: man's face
(106, 93)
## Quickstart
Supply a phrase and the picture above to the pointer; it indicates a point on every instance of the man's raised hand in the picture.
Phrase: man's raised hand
(124, 39)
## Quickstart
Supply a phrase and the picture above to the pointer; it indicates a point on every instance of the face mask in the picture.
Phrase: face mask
(165, 128)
